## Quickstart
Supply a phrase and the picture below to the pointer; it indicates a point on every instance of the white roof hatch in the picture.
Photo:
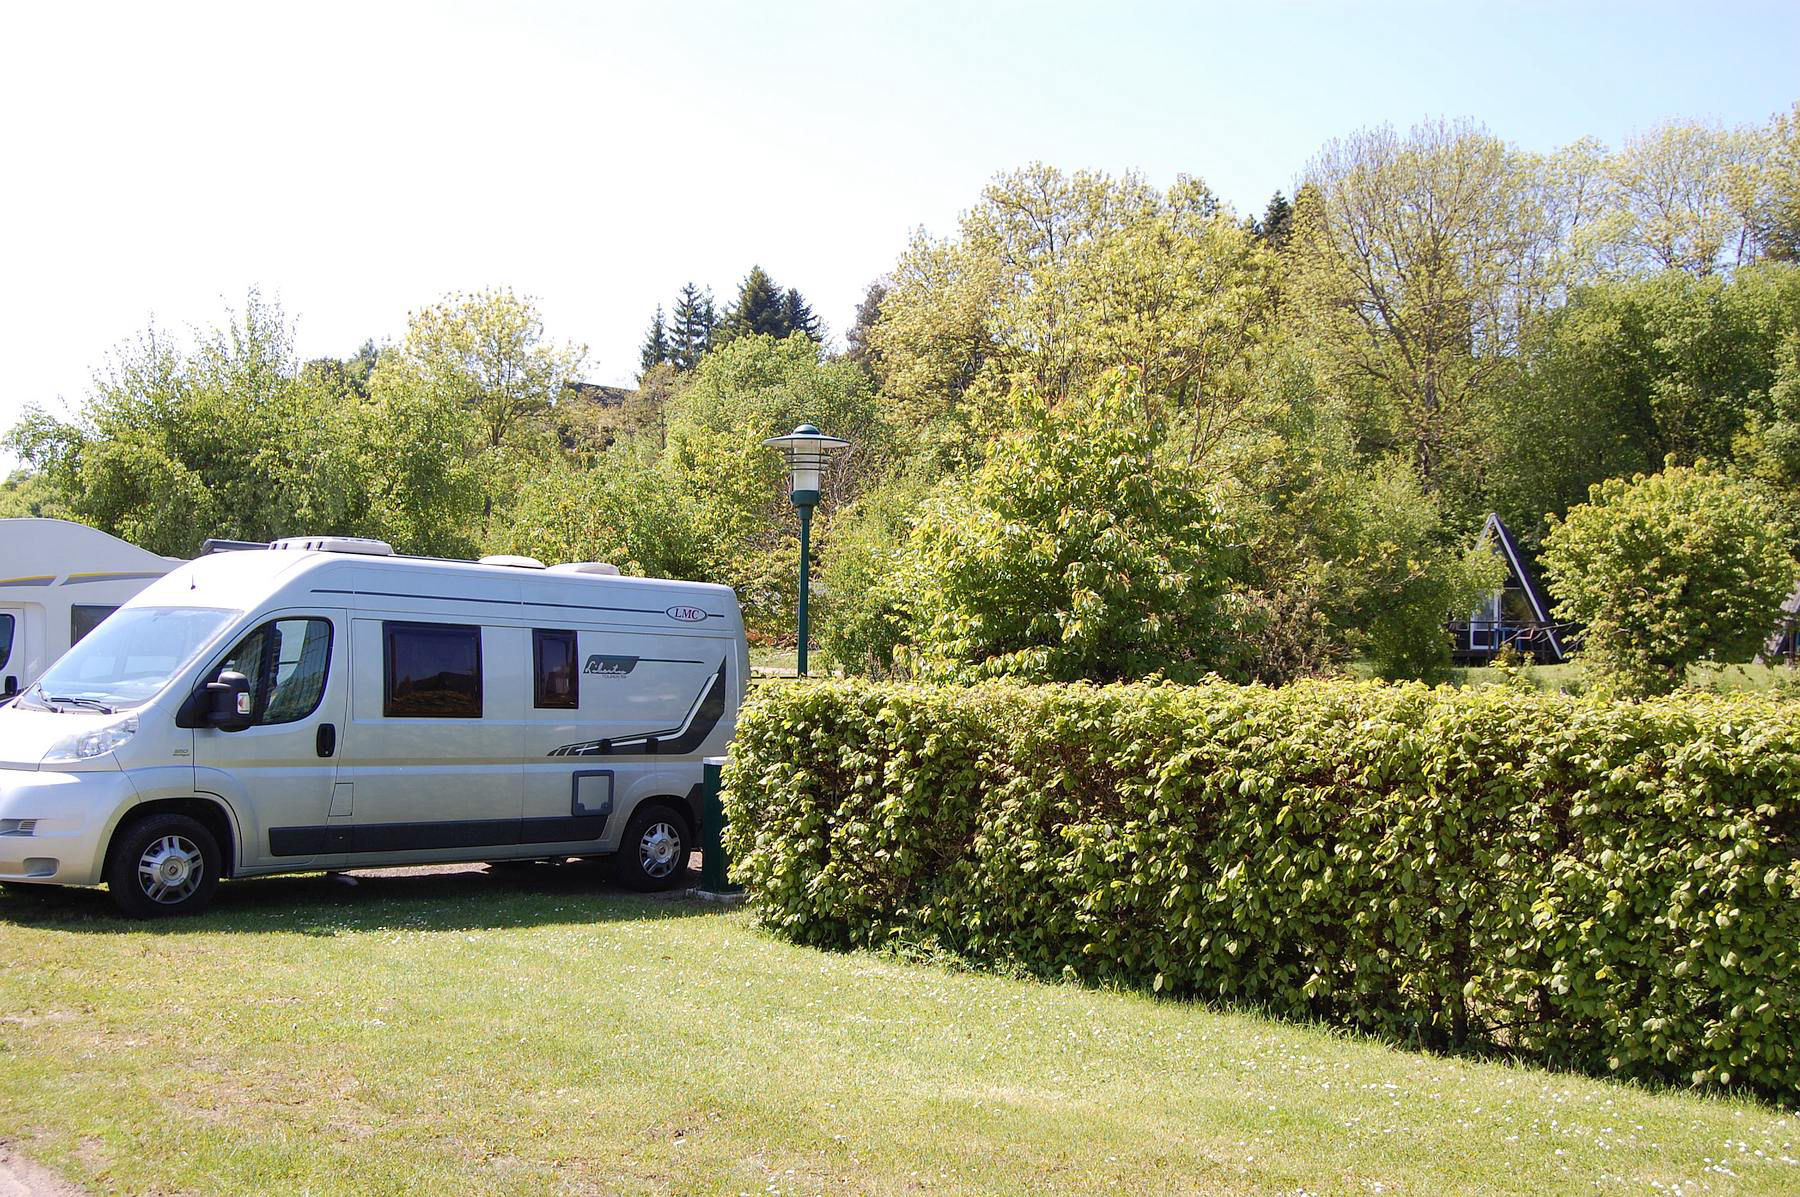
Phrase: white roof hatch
(336, 544)
(585, 567)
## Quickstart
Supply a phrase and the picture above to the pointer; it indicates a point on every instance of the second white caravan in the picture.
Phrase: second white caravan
(324, 703)
(58, 580)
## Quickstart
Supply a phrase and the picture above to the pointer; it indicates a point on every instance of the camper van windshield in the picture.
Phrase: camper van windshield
(129, 657)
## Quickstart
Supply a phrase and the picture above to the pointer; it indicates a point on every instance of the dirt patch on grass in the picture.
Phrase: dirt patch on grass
(19, 1177)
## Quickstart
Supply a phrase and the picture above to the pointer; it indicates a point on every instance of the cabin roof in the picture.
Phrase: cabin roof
(1496, 529)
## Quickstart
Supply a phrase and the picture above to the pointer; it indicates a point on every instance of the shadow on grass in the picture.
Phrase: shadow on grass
(446, 898)
(1481, 1049)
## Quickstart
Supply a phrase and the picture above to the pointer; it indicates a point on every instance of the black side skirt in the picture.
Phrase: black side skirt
(419, 837)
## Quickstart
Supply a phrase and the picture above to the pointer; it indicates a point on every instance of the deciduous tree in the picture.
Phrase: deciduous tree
(1635, 371)
(742, 393)
(235, 438)
(1410, 273)
(485, 352)
(1054, 279)
(1668, 570)
(1687, 195)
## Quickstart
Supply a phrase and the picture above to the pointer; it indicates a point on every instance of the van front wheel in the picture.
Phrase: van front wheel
(163, 865)
(653, 853)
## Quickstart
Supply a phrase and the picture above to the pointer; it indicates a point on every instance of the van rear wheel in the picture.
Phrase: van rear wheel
(163, 865)
(653, 853)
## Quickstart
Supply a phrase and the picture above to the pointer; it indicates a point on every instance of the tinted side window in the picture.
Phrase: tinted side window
(432, 670)
(286, 662)
(6, 639)
(557, 683)
(84, 618)
(299, 657)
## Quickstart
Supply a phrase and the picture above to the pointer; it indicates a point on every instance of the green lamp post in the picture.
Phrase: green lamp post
(808, 452)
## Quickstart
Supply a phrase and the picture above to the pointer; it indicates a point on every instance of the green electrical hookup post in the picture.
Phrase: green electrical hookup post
(715, 882)
(808, 452)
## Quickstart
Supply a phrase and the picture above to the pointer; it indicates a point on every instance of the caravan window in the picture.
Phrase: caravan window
(286, 662)
(84, 618)
(432, 670)
(553, 666)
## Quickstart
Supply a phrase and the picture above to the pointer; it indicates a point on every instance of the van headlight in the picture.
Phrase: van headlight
(95, 741)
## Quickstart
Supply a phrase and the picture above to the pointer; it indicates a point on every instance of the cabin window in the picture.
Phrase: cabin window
(286, 662)
(557, 680)
(6, 639)
(433, 670)
(84, 618)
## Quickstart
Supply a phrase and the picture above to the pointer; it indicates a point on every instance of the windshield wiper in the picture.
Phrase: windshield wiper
(90, 703)
(32, 699)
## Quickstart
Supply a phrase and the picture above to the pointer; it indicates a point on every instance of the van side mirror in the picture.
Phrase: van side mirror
(228, 702)
(11, 688)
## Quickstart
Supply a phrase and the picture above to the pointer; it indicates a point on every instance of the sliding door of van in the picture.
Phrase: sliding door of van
(435, 739)
(280, 773)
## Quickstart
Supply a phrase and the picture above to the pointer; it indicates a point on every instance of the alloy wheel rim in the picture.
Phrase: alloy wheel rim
(659, 852)
(171, 869)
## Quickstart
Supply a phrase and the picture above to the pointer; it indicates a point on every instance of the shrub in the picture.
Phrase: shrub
(1081, 550)
(1665, 571)
(864, 612)
(1610, 886)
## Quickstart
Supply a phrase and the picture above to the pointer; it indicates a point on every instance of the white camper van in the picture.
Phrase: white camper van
(57, 581)
(324, 703)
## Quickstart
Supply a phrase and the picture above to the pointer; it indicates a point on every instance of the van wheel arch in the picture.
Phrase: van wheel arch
(210, 813)
(688, 808)
(685, 806)
(625, 862)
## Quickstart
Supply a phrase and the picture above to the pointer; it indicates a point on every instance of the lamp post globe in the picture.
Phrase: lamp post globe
(808, 453)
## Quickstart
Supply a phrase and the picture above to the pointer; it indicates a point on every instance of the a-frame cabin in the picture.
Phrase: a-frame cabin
(1516, 614)
(1783, 645)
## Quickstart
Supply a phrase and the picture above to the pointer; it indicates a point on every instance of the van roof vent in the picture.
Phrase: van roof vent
(336, 544)
(585, 567)
(511, 560)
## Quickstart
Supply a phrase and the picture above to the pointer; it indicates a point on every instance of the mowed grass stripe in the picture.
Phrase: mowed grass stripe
(467, 1033)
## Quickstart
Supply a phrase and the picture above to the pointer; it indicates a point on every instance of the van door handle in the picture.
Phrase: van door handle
(327, 739)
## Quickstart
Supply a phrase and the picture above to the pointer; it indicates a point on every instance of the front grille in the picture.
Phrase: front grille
(20, 827)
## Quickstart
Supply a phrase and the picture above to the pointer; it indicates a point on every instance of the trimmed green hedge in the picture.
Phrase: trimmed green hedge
(1607, 886)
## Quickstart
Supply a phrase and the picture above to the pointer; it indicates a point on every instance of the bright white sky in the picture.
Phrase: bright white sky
(358, 160)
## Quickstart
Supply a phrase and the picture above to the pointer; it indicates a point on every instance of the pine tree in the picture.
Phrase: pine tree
(861, 350)
(798, 315)
(656, 343)
(758, 310)
(1277, 222)
(690, 335)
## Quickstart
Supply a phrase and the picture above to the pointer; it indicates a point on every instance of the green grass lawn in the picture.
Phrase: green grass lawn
(467, 1033)
(1706, 677)
(775, 662)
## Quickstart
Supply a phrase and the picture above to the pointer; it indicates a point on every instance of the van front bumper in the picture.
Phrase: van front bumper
(54, 826)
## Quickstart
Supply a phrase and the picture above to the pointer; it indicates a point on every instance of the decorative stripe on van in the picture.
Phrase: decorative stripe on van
(702, 717)
(463, 598)
(79, 579)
